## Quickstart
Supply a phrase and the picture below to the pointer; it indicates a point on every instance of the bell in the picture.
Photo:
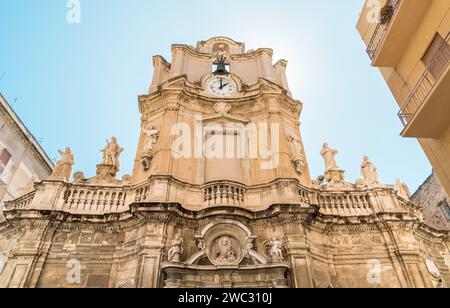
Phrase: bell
(221, 67)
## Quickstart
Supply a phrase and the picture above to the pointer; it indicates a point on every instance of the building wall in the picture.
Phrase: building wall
(26, 161)
(430, 18)
(435, 202)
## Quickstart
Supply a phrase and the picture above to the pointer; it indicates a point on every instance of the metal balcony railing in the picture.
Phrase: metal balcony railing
(426, 83)
(386, 16)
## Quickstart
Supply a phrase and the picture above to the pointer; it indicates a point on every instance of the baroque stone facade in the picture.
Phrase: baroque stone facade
(186, 218)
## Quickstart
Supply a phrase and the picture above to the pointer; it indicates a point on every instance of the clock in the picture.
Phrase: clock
(221, 86)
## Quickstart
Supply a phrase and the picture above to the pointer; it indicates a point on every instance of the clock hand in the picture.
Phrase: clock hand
(221, 82)
(224, 86)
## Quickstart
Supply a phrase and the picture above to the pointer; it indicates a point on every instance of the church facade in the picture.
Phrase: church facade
(220, 196)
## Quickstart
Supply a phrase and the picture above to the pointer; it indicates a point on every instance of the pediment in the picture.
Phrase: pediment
(224, 118)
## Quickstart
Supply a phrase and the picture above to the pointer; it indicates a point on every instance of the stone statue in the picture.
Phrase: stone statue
(329, 158)
(369, 171)
(151, 136)
(176, 249)
(111, 153)
(226, 253)
(63, 168)
(402, 189)
(297, 154)
(276, 249)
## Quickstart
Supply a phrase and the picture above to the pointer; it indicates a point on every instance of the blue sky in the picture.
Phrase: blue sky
(77, 84)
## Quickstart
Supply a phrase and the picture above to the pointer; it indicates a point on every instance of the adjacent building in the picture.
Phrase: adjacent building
(435, 202)
(220, 196)
(409, 41)
(22, 159)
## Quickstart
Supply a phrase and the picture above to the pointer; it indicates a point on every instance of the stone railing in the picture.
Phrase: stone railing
(93, 200)
(20, 203)
(303, 196)
(142, 193)
(346, 204)
(223, 193)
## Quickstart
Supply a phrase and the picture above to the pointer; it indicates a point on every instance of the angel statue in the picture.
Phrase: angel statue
(63, 168)
(111, 153)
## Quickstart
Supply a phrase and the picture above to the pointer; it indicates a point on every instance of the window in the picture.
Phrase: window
(5, 156)
(437, 56)
(446, 209)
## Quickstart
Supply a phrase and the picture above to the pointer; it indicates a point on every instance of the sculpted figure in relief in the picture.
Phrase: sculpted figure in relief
(226, 253)
(176, 249)
(297, 154)
(151, 138)
(276, 250)
(63, 168)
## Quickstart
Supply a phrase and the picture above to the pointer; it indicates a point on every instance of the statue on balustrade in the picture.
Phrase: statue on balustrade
(329, 158)
(369, 171)
(111, 154)
(63, 168)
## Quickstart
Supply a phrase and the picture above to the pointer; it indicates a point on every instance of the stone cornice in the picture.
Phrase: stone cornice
(180, 87)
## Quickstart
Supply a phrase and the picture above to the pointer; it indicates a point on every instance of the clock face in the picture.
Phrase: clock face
(221, 86)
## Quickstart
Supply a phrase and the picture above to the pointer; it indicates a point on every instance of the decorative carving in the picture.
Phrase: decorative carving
(298, 158)
(201, 245)
(222, 108)
(356, 239)
(126, 179)
(335, 179)
(79, 177)
(369, 172)
(111, 155)
(176, 249)
(63, 168)
(105, 175)
(225, 252)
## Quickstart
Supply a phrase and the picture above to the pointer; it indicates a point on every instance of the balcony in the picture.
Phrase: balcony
(399, 21)
(425, 112)
(224, 194)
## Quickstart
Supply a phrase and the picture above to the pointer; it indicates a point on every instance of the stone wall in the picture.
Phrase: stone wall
(435, 202)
